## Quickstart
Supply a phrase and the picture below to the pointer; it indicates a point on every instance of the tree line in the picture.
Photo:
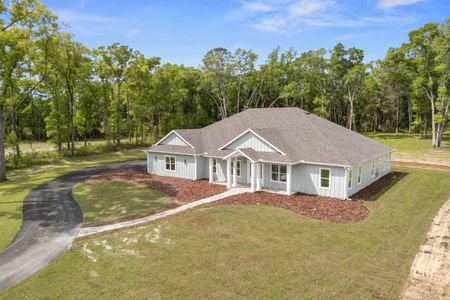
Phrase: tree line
(53, 87)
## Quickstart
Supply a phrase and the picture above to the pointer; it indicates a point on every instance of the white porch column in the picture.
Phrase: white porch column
(211, 172)
(258, 177)
(262, 174)
(288, 179)
(228, 173)
(235, 172)
(252, 178)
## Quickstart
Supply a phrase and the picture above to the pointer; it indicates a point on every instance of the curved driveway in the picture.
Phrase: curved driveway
(51, 221)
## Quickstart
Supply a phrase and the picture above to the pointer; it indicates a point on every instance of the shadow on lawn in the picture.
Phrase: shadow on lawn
(395, 177)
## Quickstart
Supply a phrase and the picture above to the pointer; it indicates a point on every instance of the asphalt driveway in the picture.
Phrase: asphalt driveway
(51, 221)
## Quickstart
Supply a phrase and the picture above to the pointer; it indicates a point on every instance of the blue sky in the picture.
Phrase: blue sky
(181, 31)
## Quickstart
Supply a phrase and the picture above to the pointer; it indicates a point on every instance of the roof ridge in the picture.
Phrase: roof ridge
(324, 137)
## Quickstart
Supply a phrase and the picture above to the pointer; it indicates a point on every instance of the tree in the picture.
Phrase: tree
(22, 24)
(422, 49)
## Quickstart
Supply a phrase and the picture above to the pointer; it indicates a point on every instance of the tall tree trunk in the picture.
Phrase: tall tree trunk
(410, 116)
(118, 113)
(2, 145)
(128, 117)
(433, 125)
(71, 126)
(397, 108)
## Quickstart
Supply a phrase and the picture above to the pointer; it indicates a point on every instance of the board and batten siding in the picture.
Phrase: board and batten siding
(184, 165)
(173, 139)
(382, 167)
(202, 167)
(249, 140)
(306, 179)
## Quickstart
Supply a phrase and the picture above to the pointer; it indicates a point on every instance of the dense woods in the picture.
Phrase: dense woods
(53, 87)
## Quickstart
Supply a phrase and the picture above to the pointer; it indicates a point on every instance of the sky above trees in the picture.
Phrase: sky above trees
(181, 31)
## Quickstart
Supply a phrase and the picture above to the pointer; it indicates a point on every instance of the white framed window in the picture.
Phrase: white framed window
(359, 174)
(350, 179)
(170, 163)
(214, 163)
(278, 173)
(383, 163)
(325, 175)
(373, 168)
(238, 169)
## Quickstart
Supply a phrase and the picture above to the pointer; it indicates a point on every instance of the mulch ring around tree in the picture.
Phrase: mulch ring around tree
(317, 207)
(179, 189)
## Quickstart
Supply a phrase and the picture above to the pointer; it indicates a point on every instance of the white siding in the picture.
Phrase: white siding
(306, 179)
(202, 168)
(184, 165)
(249, 140)
(173, 139)
(382, 163)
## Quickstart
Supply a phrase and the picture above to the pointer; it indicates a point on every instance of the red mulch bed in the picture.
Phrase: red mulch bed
(317, 207)
(180, 189)
(376, 187)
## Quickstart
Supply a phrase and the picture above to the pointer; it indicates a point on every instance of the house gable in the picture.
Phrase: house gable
(174, 139)
(249, 139)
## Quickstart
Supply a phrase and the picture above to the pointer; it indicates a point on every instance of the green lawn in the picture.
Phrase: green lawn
(111, 201)
(413, 147)
(251, 252)
(22, 181)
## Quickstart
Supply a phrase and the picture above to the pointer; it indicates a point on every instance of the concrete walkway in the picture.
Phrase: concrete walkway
(99, 229)
(51, 220)
(429, 277)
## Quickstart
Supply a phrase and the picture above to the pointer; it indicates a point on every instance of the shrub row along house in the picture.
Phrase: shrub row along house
(285, 149)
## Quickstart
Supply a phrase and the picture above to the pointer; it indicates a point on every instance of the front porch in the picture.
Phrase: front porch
(239, 169)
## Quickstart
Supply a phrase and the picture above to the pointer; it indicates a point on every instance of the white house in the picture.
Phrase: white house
(284, 149)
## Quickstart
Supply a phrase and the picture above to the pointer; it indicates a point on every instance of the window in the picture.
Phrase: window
(279, 173)
(383, 163)
(359, 174)
(170, 163)
(350, 179)
(238, 169)
(373, 168)
(214, 166)
(324, 178)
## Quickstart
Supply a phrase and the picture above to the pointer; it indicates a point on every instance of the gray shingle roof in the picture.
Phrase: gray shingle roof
(302, 136)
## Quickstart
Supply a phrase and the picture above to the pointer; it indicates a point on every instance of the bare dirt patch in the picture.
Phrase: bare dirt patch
(182, 190)
(316, 207)
(429, 277)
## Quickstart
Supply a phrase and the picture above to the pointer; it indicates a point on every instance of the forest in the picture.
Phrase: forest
(55, 88)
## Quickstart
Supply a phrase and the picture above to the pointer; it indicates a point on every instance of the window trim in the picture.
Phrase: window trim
(240, 168)
(373, 168)
(349, 179)
(359, 174)
(329, 178)
(279, 173)
(174, 164)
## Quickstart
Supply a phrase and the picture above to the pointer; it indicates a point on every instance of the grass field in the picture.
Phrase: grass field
(22, 181)
(251, 252)
(112, 201)
(413, 147)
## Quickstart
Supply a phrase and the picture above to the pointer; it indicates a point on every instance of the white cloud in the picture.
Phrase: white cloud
(387, 4)
(308, 7)
(272, 24)
(257, 6)
(285, 16)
